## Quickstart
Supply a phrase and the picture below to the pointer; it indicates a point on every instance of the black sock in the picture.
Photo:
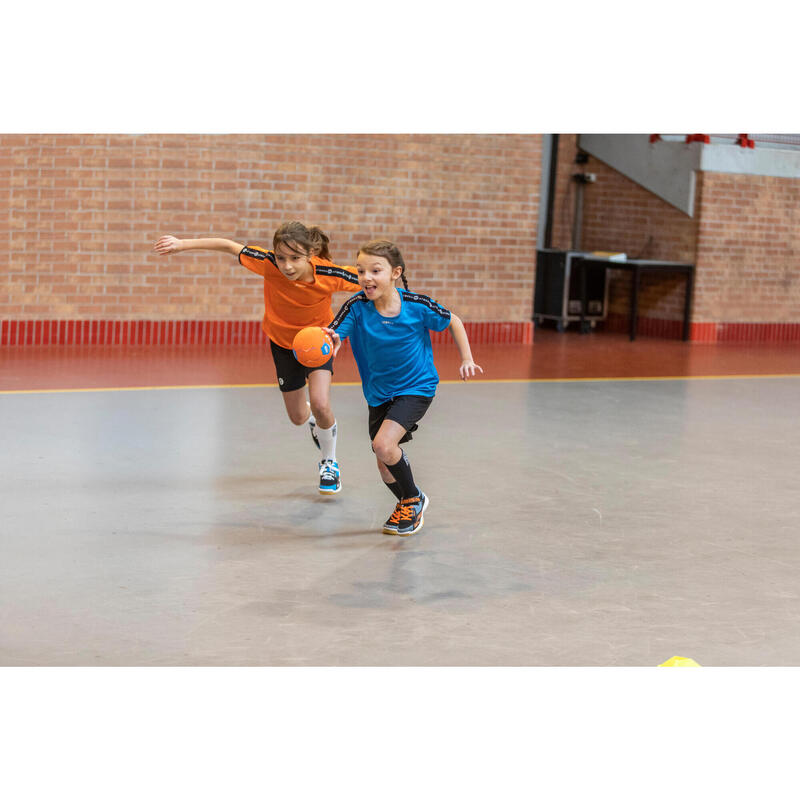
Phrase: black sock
(401, 472)
(394, 488)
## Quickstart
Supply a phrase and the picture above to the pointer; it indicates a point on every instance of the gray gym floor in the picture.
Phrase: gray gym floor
(616, 522)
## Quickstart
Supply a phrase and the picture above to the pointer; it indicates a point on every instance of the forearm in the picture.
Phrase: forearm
(459, 334)
(220, 245)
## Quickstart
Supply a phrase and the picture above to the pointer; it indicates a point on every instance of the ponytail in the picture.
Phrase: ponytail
(314, 241)
(320, 242)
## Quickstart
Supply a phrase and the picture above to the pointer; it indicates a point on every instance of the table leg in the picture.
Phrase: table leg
(634, 302)
(687, 304)
(582, 281)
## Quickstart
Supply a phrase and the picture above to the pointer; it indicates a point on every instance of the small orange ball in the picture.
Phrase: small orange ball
(312, 347)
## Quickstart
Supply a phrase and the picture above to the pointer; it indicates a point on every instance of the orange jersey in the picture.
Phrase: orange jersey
(292, 305)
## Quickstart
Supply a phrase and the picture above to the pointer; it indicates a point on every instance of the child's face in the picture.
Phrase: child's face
(376, 276)
(293, 264)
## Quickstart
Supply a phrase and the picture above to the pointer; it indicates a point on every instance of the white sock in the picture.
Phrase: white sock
(311, 420)
(327, 441)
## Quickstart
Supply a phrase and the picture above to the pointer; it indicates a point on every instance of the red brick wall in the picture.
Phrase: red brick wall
(621, 215)
(748, 250)
(83, 211)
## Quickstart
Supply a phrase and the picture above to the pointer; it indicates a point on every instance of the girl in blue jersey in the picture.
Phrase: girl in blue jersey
(389, 333)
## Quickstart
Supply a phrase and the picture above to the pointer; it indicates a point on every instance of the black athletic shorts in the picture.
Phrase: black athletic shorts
(291, 373)
(405, 409)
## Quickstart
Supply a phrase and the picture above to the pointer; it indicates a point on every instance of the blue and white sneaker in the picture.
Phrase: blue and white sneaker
(329, 481)
(410, 518)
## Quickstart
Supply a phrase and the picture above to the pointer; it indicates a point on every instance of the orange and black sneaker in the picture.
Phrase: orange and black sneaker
(410, 518)
(390, 526)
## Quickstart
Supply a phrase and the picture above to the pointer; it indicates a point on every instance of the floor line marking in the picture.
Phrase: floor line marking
(358, 383)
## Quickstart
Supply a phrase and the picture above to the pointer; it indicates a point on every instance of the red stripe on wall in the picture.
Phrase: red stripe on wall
(711, 332)
(232, 332)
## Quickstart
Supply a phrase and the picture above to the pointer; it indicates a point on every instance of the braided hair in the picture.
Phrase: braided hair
(386, 249)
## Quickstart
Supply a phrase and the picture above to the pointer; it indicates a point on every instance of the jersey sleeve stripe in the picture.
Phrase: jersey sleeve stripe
(337, 272)
(345, 310)
(258, 254)
(424, 300)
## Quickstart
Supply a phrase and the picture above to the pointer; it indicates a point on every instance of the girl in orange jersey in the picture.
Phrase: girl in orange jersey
(299, 279)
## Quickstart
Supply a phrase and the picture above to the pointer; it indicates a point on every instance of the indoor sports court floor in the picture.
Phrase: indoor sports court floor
(594, 501)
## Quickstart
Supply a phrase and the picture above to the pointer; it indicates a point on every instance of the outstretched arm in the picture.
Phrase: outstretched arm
(169, 244)
(459, 334)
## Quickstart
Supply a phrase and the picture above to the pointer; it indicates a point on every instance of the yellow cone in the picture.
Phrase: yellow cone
(679, 661)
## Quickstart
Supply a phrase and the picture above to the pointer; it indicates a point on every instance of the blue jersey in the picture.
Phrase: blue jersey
(394, 354)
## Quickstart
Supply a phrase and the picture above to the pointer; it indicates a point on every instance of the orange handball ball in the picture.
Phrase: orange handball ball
(312, 347)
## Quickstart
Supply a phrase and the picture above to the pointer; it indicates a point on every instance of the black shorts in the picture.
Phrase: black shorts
(405, 409)
(291, 373)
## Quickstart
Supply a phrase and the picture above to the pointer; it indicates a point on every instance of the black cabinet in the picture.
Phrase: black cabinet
(557, 291)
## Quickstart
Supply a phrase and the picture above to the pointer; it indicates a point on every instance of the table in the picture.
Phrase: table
(636, 266)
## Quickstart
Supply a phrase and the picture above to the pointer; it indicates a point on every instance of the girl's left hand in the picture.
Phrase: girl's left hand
(467, 369)
(337, 342)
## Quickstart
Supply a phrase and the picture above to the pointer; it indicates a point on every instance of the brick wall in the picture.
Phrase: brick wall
(748, 249)
(618, 214)
(80, 212)
(744, 239)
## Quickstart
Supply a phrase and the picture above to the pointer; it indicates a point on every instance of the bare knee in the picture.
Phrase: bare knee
(298, 417)
(386, 450)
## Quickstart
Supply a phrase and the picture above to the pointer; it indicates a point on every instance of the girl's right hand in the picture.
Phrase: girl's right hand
(337, 342)
(166, 245)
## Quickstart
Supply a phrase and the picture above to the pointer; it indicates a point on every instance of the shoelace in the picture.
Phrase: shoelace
(395, 514)
(406, 509)
(328, 471)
